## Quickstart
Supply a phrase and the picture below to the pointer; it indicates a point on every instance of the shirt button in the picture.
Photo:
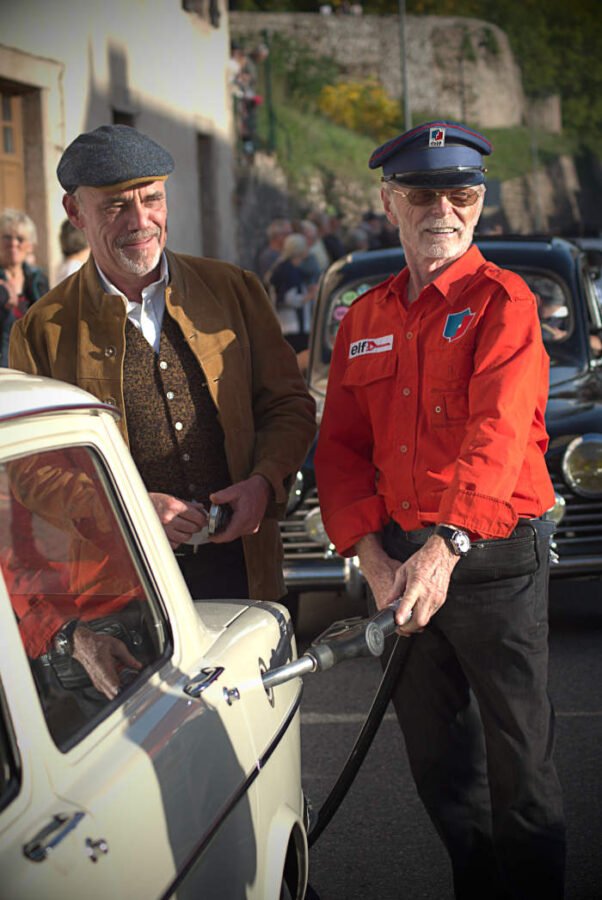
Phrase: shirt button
(406, 392)
(186, 457)
(178, 426)
(192, 488)
(162, 364)
(170, 395)
(403, 448)
(409, 335)
(110, 351)
(405, 505)
(437, 409)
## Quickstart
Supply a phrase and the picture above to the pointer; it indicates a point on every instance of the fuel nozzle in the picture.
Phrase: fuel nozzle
(346, 639)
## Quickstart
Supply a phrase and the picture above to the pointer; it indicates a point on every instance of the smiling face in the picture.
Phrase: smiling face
(126, 230)
(433, 235)
(15, 242)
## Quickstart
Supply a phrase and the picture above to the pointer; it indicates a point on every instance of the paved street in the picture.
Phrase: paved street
(381, 844)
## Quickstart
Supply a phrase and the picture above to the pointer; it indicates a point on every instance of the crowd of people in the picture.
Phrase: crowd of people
(296, 252)
(242, 80)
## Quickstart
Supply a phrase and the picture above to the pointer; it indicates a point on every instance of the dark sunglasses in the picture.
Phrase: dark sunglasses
(426, 196)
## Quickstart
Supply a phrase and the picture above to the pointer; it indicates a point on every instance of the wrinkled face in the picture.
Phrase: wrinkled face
(126, 229)
(14, 246)
(440, 231)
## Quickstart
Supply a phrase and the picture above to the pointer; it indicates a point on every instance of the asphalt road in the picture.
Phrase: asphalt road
(381, 843)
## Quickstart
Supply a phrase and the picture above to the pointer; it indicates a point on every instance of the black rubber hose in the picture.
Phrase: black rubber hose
(364, 740)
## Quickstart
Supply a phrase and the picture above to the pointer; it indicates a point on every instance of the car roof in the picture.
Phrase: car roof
(24, 395)
(522, 251)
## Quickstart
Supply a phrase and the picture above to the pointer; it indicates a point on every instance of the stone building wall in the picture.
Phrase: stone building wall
(460, 68)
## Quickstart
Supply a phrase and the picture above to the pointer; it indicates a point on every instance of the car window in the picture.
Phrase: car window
(554, 308)
(68, 564)
(554, 301)
(10, 771)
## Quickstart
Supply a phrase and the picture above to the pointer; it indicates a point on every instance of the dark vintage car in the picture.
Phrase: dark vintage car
(557, 272)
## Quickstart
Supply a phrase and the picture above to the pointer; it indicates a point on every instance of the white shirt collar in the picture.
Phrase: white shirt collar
(147, 315)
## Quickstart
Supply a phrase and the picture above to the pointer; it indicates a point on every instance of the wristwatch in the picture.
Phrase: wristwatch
(456, 539)
(63, 639)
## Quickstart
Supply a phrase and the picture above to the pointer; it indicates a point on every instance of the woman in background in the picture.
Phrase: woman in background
(21, 283)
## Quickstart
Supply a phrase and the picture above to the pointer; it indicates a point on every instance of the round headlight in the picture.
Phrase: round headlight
(295, 494)
(315, 528)
(582, 465)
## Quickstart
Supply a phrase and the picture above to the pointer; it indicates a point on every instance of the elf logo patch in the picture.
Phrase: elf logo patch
(370, 345)
(437, 137)
(457, 324)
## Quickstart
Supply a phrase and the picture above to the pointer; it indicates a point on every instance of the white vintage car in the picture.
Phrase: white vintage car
(184, 781)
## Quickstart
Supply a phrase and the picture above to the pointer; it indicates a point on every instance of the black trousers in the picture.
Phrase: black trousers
(215, 571)
(478, 724)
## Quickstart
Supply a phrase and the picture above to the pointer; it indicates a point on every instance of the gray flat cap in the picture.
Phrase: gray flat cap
(112, 156)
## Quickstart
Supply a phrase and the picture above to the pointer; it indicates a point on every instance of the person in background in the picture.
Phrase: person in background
(189, 352)
(328, 225)
(430, 467)
(75, 249)
(277, 231)
(317, 260)
(293, 292)
(21, 283)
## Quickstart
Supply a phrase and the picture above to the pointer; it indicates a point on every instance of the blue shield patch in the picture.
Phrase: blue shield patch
(457, 324)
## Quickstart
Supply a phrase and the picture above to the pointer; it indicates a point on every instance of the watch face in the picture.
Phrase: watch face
(461, 541)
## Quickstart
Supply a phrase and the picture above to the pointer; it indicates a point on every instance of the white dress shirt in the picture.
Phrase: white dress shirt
(147, 316)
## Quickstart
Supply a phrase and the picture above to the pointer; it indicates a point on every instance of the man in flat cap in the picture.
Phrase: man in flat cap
(430, 466)
(212, 402)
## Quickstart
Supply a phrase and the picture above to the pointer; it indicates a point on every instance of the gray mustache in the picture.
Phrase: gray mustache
(135, 236)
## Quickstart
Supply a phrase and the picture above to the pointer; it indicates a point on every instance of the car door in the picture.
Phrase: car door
(158, 787)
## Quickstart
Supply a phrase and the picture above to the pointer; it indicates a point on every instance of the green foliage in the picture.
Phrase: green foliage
(361, 106)
(466, 48)
(556, 44)
(489, 42)
(311, 147)
(298, 74)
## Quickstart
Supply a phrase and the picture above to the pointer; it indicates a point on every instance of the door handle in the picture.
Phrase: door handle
(51, 835)
(205, 678)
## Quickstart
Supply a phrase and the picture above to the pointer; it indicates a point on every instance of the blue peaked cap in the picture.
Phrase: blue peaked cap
(435, 154)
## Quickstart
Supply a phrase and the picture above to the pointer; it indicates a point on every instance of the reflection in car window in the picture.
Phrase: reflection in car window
(88, 625)
(553, 308)
(10, 775)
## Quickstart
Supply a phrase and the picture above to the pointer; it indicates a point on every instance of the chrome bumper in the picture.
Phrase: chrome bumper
(331, 574)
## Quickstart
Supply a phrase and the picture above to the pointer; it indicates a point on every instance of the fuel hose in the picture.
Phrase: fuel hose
(392, 672)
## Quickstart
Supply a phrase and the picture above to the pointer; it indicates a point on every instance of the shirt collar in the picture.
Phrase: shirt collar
(149, 290)
(450, 283)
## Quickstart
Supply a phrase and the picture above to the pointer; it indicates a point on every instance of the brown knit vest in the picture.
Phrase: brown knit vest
(175, 436)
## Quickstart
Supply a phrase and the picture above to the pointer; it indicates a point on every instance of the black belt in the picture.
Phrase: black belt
(421, 535)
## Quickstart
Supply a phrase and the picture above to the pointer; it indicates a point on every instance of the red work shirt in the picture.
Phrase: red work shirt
(435, 409)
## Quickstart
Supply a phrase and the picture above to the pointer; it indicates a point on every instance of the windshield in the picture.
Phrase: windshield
(554, 304)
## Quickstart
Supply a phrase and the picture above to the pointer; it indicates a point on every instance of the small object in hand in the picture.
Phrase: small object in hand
(127, 675)
(219, 518)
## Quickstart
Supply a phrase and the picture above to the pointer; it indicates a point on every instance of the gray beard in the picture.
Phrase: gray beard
(138, 266)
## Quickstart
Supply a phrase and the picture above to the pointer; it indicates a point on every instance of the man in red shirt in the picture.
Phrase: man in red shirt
(431, 468)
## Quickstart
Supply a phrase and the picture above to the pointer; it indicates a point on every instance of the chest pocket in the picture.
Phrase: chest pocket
(448, 408)
(370, 369)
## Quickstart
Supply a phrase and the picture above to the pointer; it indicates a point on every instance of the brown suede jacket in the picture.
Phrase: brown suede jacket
(76, 333)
